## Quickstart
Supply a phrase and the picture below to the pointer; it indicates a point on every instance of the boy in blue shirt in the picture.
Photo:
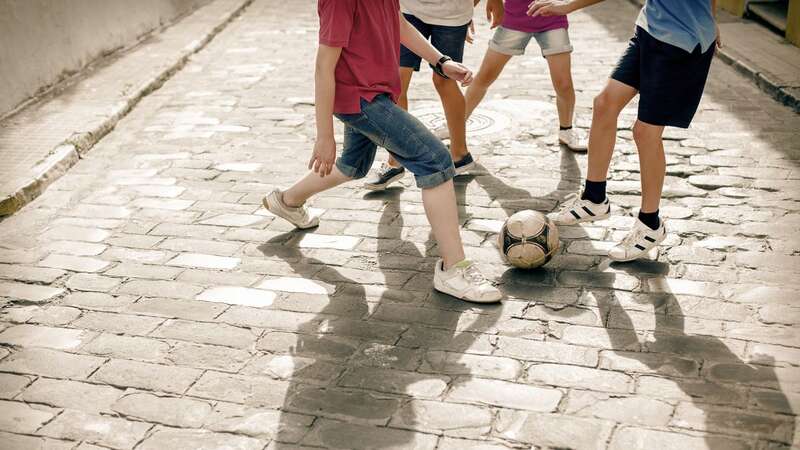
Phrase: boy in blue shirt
(667, 64)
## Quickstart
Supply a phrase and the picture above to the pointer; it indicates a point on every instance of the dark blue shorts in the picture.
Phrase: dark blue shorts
(448, 40)
(670, 80)
(382, 123)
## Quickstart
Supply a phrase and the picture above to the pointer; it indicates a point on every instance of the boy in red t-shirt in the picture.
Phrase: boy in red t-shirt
(357, 81)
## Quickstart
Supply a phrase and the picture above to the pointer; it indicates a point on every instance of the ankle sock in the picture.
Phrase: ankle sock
(650, 219)
(564, 128)
(595, 191)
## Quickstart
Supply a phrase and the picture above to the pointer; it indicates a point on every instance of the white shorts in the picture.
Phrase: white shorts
(513, 42)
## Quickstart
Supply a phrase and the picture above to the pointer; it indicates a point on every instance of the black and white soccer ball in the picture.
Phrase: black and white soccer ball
(528, 239)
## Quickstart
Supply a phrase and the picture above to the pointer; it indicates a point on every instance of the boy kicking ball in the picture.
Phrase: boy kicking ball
(667, 64)
(356, 80)
(511, 39)
(447, 25)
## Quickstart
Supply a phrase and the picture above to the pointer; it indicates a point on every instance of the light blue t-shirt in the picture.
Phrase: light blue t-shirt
(682, 23)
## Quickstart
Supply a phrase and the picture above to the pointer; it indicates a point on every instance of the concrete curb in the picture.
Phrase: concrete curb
(67, 154)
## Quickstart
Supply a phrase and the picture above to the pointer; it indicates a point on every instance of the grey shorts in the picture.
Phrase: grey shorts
(513, 42)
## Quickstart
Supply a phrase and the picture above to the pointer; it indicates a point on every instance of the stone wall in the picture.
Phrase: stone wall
(42, 41)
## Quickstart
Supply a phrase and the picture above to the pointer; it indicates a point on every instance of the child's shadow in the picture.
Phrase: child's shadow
(368, 337)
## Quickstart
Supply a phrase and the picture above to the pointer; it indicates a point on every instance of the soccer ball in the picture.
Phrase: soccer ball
(528, 239)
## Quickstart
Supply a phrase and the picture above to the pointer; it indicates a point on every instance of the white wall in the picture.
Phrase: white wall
(41, 41)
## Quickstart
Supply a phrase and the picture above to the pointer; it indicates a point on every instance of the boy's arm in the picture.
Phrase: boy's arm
(494, 11)
(324, 156)
(558, 7)
(412, 40)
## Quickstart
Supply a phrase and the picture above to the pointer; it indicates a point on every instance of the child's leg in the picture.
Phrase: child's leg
(312, 184)
(491, 67)
(406, 73)
(440, 207)
(603, 133)
(455, 113)
(652, 163)
(561, 76)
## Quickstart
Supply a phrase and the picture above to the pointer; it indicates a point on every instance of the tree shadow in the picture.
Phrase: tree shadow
(378, 334)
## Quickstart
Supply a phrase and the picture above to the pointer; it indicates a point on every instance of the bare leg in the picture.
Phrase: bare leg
(442, 212)
(312, 184)
(603, 134)
(405, 80)
(455, 113)
(561, 76)
(491, 67)
(652, 163)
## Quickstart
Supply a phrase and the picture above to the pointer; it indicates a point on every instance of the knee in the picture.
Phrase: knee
(604, 107)
(563, 86)
(644, 133)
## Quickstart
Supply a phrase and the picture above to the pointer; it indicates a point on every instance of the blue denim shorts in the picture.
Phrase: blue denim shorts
(448, 40)
(382, 123)
(513, 42)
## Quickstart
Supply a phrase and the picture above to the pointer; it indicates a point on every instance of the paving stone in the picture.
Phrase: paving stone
(689, 390)
(74, 263)
(213, 357)
(19, 417)
(162, 203)
(98, 301)
(86, 397)
(733, 421)
(48, 337)
(173, 411)
(238, 296)
(448, 418)
(103, 430)
(97, 211)
(23, 442)
(553, 430)
(629, 410)
(128, 347)
(505, 394)
(293, 368)
(555, 352)
(333, 434)
(248, 390)
(476, 365)
(11, 385)
(233, 220)
(301, 285)
(152, 272)
(55, 315)
(396, 382)
(352, 406)
(334, 348)
(258, 422)
(198, 440)
(29, 292)
(175, 308)
(665, 364)
(155, 288)
(33, 274)
(312, 240)
(134, 255)
(72, 233)
(207, 333)
(50, 363)
(630, 437)
(153, 377)
(386, 356)
(76, 248)
(204, 261)
(579, 377)
(92, 282)
(118, 323)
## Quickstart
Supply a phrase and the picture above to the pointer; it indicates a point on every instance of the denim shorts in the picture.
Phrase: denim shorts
(383, 123)
(513, 42)
(448, 40)
(670, 80)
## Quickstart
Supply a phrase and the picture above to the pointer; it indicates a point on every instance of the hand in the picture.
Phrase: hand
(470, 33)
(494, 12)
(324, 156)
(719, 38)
(547, 8)
(458, 72)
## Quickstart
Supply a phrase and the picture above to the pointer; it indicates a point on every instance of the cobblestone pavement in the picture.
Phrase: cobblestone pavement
(151, 303)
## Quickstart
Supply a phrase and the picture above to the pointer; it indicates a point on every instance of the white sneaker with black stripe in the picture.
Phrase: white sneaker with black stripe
(638, 242)
(575, 210)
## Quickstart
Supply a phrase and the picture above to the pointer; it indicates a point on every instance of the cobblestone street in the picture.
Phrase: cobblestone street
(150, 302)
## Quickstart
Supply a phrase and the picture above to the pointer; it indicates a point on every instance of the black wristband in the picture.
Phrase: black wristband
(438, 67)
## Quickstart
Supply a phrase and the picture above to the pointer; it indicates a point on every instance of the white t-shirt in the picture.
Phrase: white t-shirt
(452, 13)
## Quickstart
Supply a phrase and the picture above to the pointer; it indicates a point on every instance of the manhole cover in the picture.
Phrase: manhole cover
(492, 117)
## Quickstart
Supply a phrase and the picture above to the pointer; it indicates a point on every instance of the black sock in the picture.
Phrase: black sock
(564, 128)
(595, 191)
(650, 219)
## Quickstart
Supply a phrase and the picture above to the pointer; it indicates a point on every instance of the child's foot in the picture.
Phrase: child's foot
(465, 164)
(638, 242)
(385, 176)
(572, 139)
(576, 210)
(298, 216)
(442, 132)
(466, 282)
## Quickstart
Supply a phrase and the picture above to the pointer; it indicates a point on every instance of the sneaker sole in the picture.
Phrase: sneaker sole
(381, 187)
(465, 168)
(639, 255)
(584, 220)
(453, 294)
(265, 201)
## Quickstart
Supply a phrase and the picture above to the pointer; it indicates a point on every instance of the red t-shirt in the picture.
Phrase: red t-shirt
(368, 31)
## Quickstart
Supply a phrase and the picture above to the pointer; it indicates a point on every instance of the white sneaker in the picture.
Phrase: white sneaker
(638, 242)
(573, 140)
(575, 210)
(466, 282)
(442, 132)
(298, 217)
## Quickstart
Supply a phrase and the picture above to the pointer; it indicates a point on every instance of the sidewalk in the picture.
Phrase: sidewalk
(149, 302)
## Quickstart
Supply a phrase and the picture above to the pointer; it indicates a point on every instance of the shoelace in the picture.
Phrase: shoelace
(385, 167)
(474, 275)
(570, 201)
(634, 237)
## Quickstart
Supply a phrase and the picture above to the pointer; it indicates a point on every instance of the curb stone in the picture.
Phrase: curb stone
(31, 184)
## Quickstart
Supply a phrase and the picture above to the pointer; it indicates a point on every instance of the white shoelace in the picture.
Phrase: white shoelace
(474, 275)
(570, 202)
(633, 238)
